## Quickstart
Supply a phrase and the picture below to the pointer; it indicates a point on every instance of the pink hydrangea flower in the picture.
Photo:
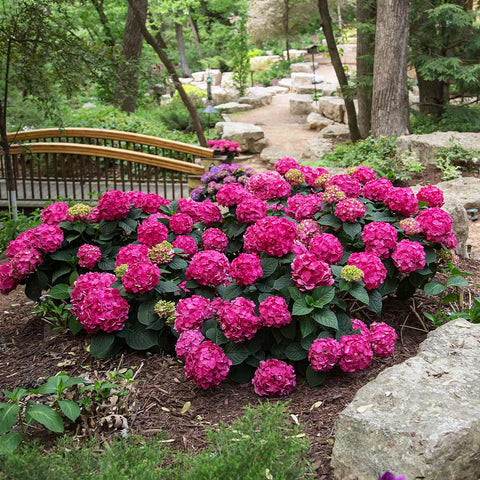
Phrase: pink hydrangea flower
(162, 253)
(432, 195)
(272, 235)
(180, 223)
(191, 313)
(89, 256)
(324, 354)
(87, 282)
(326, 247)
(450, 240)
(8, 282)
(377, 190)
(301, 207)
(151, 202)
(80, 212)
(187, 244)
(47, 238)
(132, 253)
(274, 312)
(135, 197)
(379, 238)
(25, 263)
(189, 207)
(347, 184)
(273, 378)
(359, 325)
(364, 174)
(307, 230)
(268, 185)
(246, 269)
(382, 339)
(402, 200)
(285, 164)
(26, 240)
(350, 209)
(187, 342)
(357, 353)
(207, 365)
(238, 320)
(408, 256)
(374, 272)
(141, 277)
(208, 268)
(113, 205)
(322, 180)
(311, 174)
(214, 239)
(436, 224)
(209, 213)
(102, 309)
(410, 226)
(55, 213)
(231, 194)
(251, 209)
(152, 232)
(308, 272)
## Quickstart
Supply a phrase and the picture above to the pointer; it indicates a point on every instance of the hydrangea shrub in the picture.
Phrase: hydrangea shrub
(256, 287)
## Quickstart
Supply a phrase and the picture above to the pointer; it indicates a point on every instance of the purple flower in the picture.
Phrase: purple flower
(390, 476)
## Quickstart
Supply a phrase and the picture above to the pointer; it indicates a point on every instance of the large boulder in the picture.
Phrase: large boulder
(301, 104)
(294, 54)
(332, 107)
(420, 418)
(251, 138)
(275, 89)
(265, 62)
(198, 77)
(315, 121)
(328, 89)
(224, 95)
(257, 97)
(426, 146)
(232, 107)
(465, 189)
(303, 67)
(317, 149)
(335, 130)
(227, 80)
(302, 80)
(286, 83)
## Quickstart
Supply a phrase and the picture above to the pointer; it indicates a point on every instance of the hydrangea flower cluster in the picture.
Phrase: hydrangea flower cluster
(132, 253)
(379, 238)
(436, 224)
(364, 174)
(357, 353)
(268, 186)
(408, 256)
(54, 213)
(274, 312)
(273, 378)
(238, 319)
(308, 272)
(324, 354)
(350, 209)
(141, 277)
(187, 342)
(432, 195)
(162, 253)
(307, 230)
(89, 256)
(187, 244)
(402, 200)
(208, 267)
(326, 247)
(180, 223)
(410, 226)
(350, 273)
(113, 205)
(333, 194)
(224, 146)
(246, 269)
(374, 271)
(347, 184)
(272, 235)
(251, 209)
(79, 211)
(285, 164)
(382, 339)
(295, 177)
(152, 232)
(191, 312)
(214, 239)
(301, 207)
(231, 194)
(377, 190)
(165, 310)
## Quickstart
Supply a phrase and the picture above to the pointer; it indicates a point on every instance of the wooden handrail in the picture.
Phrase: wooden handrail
(107, 152)
(99, 133)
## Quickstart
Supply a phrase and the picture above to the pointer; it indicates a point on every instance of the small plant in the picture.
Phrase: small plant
(448, 169)
(410, 165)
(454, 158)
(58, 315)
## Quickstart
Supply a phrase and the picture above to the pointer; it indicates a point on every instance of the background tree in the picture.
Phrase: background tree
(390, 108)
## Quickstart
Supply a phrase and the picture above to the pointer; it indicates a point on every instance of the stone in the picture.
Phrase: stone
(420, 418)
(216, 77)
(303, 80)
(257, 97)
(465, 189)
(276, 89)
(301, 104)
(223, 95)
(285, 82)
(294, 54)
(426, 146)
(251, 138)
(231, 107)
(186, 80)
(264, 62)
(328, 89)
(335, 130)
(303, 67)
(332, 107)
(414, 101)
(316, 149)
(198, 76)
(315, 121)
(227, 80)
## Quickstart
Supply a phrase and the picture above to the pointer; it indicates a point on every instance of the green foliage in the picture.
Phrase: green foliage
(11, 229)
(277, 71)
(455, 118)
(239, 53)
(57, 314)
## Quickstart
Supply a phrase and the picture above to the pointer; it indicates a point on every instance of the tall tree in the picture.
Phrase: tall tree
(366, 12)
(339, 71)
(127, 88)
(390, 108)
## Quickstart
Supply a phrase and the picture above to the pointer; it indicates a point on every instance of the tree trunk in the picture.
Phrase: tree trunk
(110, 40)
(366, 10)
(390, 109)
(127, 89)
(181, 50)
(196, 38)
(286, 28)
(160, 49)
(434, 96)
(326, 22)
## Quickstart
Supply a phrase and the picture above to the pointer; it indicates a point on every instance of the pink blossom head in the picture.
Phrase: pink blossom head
(436, 224)
(55, 213)
(350, 210)
(88, 256)
(214, 239)
(274, 312)
(238, 320)
(364, 174)
(187, 244)
(141, 277)
(189, 207)
(165, 310)
(374, 272)
(207, 365)
(268, 186)
(285, 164)
(377, 190)
(87, 282)
(246, 269)
(449, 240)
(25, 263)
(8, 282)
(47, 238)
(308, 272)
(347, 184)
(307, 230)
(379, 238)
(273, 378)
(113, 205)
(132, 253)
(357, 353)
(311, 174)
(382, 339)
(151, 202)
(26, 240)
(180, 223)
(187, 342)
(408, 256)
(191, 312)
(231, 194)
(251, 209)
(135, 197)
(209, 213)
(324, 354)
(301, 207)
(402, 200)
(322, 180)
(410, 226)
(432, 195)
(152, 232)
(326, 247)
(359, 325)
(208, 268)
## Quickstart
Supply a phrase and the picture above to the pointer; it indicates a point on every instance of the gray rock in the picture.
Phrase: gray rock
(301, 80)
(216, 77)
(301, 104)
(328, 89)
(276, 89)
(317, 149)
(223, 95)
(251, 138)
(231, 107)
(198, 76)
(186, 80)
(294, 54)
(227, 80)
(426, 146)
(335, 130)
(465, 189)
(420, 418)
(332, 107)
(302, 67)
(257, 97)
(315, 121)
(285, 82)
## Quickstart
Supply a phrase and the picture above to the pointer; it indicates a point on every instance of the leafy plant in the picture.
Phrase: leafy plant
(454, 158)
(57, 313)
(10, 229)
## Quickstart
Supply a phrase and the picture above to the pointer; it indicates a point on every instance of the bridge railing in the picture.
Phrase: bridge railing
(75, 163)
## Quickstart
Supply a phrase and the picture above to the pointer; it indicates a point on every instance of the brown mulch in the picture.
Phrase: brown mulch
(28, 351)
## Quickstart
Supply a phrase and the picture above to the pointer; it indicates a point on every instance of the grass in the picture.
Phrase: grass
(262, 444)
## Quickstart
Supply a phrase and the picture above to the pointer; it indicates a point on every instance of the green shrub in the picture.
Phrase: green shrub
(11, 229)
(456, 118)
(277, 71)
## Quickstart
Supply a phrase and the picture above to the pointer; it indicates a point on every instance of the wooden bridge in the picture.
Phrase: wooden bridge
(78, 163)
